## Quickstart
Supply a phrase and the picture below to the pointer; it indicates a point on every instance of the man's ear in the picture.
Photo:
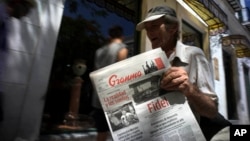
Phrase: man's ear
(173, 29)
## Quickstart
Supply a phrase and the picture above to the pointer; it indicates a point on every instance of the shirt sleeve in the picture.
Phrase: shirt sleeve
(204, 76)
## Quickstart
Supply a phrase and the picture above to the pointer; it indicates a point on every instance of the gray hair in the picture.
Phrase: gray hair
(171, 21)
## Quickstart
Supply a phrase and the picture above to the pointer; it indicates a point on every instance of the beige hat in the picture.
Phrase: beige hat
(156, 13)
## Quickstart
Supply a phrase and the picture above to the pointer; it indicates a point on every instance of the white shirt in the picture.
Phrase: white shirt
(193, 60)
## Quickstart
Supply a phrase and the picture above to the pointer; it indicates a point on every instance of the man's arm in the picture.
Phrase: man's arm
(203, 103)
(176, 78)
(122, 54)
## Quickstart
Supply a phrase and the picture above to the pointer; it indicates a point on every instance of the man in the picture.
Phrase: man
(113, 52)
(190, 72)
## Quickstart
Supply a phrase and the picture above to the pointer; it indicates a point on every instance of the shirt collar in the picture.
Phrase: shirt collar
(180, 51)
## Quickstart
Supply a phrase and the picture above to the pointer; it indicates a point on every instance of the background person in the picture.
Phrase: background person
(113, 52)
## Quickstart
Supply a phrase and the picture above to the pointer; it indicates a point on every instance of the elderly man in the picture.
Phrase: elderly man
(190, 72)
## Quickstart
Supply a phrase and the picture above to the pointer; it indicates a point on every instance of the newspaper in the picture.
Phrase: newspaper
(136, 108)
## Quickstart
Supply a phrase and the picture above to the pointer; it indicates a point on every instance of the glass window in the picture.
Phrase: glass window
(190, 35)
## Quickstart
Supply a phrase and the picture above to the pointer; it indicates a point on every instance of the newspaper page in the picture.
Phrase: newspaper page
(136, 108)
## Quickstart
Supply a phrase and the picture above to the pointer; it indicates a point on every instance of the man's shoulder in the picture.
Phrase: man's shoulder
(197, 52)
(186, 52)
(118, 45)
(192, 49)
(123, 44)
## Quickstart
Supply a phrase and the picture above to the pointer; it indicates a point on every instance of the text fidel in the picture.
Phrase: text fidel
(158, 105)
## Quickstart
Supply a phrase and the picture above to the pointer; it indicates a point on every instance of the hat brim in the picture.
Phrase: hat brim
(140, 25)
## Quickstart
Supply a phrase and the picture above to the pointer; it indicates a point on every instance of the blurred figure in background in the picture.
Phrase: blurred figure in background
(113, 52)
(8, 9)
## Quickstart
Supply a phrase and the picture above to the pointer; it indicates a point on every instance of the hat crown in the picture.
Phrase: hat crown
(158, 10)
(156, 13)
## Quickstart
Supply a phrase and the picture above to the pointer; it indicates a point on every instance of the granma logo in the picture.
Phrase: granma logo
(115, 80)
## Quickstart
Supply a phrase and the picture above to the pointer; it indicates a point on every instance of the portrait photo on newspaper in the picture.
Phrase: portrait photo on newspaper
(122, 116)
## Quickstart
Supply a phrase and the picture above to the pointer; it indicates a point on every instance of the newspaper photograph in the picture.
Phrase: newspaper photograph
(135, 106)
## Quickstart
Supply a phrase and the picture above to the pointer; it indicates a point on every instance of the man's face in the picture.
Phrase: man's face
(157, 33)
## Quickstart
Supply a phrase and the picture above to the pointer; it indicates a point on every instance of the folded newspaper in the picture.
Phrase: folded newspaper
(136, 108)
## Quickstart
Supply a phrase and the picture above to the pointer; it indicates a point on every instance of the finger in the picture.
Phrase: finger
(173, 84)
(184, 85)
(166, 79)
(170, 70)
(171, 76)
(173, 69)
(175, 72)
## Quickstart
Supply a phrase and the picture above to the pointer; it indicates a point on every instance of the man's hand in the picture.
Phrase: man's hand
(175, 78)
